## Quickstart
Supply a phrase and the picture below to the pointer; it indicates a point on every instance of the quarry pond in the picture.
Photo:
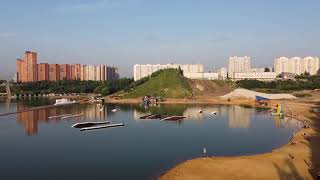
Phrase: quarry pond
(34, 146)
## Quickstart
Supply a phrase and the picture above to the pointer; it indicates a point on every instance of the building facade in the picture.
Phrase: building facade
(202, 76)
(29, 71)
(31, 66)
(297, 65)
(261, 76)
(238, 65)
(222, 73)
(54, 72)
(144, 70)
(43, 72)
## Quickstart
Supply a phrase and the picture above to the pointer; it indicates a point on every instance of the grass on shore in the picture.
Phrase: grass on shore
(168, 83)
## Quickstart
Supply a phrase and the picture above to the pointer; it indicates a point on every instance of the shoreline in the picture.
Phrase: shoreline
(289, 161)
(298, 160)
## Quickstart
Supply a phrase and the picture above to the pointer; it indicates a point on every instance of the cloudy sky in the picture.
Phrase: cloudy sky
(126, 32)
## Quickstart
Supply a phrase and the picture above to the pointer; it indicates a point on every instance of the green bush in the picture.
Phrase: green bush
(167, 83)
(311, 82)
(47, 87)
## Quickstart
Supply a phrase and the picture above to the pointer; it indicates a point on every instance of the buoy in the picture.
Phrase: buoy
(200, 111)
(214, 113)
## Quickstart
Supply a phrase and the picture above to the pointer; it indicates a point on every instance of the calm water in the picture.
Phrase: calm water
(34, 147)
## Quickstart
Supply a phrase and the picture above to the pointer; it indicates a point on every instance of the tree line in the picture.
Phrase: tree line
(302, 82)
(73, 86)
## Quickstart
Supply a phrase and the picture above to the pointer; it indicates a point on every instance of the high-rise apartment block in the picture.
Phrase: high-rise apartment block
(296, 65)
(43, 72)
(54, 72)
(29, 71)
(238, 65)
(144, 70)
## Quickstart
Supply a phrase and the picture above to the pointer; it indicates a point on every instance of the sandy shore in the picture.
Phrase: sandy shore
(200, 100)
(292, 161)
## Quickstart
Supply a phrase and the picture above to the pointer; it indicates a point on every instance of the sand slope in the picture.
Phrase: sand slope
(247, 94)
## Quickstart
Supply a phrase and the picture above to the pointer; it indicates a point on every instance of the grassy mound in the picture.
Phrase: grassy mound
(168, 83)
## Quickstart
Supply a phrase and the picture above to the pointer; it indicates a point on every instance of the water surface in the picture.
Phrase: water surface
(35, 147)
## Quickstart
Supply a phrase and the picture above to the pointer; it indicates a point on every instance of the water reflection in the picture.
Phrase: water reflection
(155, 144)
(236, 116)
(30, 119)
(239, 117)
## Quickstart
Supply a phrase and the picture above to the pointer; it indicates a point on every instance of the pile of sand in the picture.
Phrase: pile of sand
(247, 94)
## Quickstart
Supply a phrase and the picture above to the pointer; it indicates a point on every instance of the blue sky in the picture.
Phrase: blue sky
(125, 32)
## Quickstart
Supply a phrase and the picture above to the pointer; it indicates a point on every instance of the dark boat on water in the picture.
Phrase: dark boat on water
(154, 116)
(89, 124)
(173, 118)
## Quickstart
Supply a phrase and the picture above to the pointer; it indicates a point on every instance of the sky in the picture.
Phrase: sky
(122, 33)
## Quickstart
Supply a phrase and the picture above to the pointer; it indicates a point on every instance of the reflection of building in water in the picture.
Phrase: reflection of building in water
(193, 112)
(30, 119)
(286, 122)
(138, 114)
(239, 117)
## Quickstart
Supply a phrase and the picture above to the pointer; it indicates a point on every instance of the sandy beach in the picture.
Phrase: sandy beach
(299, 159)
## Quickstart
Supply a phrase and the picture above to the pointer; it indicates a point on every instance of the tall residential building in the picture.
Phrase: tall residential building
(296, 65)
(29, 71)
(91, 73)
(238, 65)
(30, 59)
(75, 72)
(64, 72)
(20, 70)
(143, 70)
(222, 73)
(54, 72)
(43, 72)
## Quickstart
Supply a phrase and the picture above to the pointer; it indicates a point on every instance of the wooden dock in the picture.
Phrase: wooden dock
(101, 127)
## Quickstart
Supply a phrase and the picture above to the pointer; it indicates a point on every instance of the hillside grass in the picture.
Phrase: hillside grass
(168, 83)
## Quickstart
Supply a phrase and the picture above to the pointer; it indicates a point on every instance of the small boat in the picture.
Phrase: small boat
(72, 116)
(200, 111)
(279, 111)
(59, 116)
(102, 109)
(172, 118)
(146, 116)
(214, 113)
(101, 127)
(89, 124)
(154, 116)
(60, 102)
(114, 110)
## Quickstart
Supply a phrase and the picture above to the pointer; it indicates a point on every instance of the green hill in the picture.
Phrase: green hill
(168, 83)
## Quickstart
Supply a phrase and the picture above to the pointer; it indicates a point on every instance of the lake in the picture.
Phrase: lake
(36, 147)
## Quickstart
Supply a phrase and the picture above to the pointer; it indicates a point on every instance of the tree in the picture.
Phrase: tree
(180, 71)
(266, 69)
